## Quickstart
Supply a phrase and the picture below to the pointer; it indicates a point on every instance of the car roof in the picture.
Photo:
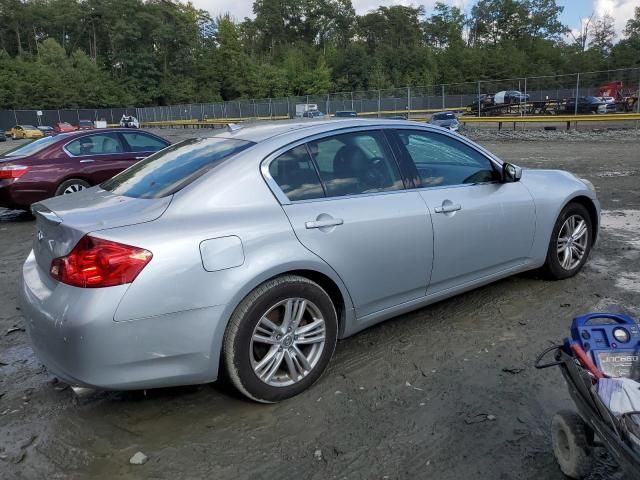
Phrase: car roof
(260, 131)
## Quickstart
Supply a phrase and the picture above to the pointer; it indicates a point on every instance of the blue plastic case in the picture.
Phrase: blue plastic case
(613, 344)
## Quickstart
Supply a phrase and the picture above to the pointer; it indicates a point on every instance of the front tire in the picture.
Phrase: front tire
(280, 339)
(570, 243)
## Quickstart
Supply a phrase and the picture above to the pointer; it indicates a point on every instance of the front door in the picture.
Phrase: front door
(349, 206)
(481, 226)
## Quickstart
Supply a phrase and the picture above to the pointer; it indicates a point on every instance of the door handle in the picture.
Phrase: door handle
(448, 208)
(88, 160)
(330, 222)
(140, 158)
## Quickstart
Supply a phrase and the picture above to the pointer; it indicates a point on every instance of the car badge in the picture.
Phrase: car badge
(40, 235)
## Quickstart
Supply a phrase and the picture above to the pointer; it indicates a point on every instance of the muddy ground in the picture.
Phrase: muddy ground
(406, 399)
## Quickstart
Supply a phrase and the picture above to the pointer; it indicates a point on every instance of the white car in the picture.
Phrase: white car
(129, 121)
(609, 104)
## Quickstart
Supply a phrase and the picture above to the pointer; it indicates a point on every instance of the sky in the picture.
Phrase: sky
(575, 11)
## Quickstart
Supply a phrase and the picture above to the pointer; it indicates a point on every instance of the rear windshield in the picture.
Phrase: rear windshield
(444, 116)
(32, 147)
(166, 172)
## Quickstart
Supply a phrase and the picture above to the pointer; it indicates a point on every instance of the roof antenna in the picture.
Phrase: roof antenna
(233, 127)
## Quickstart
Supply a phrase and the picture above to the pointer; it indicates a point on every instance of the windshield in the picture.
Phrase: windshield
(444, 116)
(32, 147)
(28, 127)
(166, 172)
(86, 122)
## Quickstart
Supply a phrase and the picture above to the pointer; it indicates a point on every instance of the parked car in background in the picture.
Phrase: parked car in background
(609, 105)
(47, 130)
(346, 113)
(63, 127)
(251, 252)
(510, 96)
(69, 162)
(484, 100)
(446, 120)
(313, 114)
(25, 131)
(129, 121)
(588, 104)
(85, 125)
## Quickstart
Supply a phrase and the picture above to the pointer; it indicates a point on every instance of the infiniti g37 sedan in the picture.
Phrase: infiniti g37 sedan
(251, 252)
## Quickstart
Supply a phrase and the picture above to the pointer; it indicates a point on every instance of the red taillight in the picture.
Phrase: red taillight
(13, 171)
(95, 263)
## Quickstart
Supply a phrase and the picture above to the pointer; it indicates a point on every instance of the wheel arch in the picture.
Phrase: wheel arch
(594, 216)
(329, 282)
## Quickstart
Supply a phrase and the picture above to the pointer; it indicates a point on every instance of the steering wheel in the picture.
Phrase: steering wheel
(376, 175)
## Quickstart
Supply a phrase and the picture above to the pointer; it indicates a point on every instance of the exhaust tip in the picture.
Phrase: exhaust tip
(83, 392)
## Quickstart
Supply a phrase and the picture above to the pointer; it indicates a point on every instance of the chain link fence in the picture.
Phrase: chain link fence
(387, 102)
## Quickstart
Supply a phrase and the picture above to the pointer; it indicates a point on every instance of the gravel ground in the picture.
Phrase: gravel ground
(445, 392)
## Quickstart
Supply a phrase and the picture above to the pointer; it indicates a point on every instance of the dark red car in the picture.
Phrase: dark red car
(63, 127)
(69, 162)
(85, 125)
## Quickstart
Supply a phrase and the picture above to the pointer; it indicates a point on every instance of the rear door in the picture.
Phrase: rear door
(481, 226)
(347, 204)
(99, 156)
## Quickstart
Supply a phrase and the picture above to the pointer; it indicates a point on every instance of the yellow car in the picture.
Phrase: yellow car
(25, 131)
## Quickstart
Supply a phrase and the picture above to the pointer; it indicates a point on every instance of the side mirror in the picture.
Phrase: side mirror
(511, 173)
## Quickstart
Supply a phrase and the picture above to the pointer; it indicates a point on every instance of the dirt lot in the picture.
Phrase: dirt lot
(406, 399)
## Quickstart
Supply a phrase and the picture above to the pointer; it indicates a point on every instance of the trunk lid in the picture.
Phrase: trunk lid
(62, 221)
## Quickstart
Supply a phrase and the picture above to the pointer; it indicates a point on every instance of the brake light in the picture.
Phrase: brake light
(13, 171)
(95, 263)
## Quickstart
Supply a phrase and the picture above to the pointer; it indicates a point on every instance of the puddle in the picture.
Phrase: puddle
(14, 215)
(615, 173)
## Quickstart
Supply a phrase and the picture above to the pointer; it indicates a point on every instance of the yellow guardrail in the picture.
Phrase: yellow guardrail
(208, 122)
(617, 117)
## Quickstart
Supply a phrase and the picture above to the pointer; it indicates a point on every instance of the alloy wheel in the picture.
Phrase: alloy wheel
(287, 342)
(572, 242)
(73, 188)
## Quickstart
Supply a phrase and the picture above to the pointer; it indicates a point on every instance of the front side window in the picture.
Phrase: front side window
(141, 142)
(171, 169)
(295, 174)
(442, 160)
(355, 163)
(100, 144)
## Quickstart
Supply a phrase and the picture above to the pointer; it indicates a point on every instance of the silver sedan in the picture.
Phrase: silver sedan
(254, 250)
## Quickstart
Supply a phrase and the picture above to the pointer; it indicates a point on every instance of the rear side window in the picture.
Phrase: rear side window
(296, 176)
(355, 163)
(31, 148)
(104, 143)
(442, 160)
(166, 172)
(140, 142)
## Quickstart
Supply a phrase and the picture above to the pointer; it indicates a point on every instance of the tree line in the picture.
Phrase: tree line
(103, 53)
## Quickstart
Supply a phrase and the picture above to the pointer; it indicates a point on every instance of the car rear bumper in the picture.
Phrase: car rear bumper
(15, 195)
(74, 334)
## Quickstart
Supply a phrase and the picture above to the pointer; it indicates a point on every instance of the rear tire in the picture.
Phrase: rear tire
(268, 358)
(71, 186)
(570, 243)
(572, 440)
